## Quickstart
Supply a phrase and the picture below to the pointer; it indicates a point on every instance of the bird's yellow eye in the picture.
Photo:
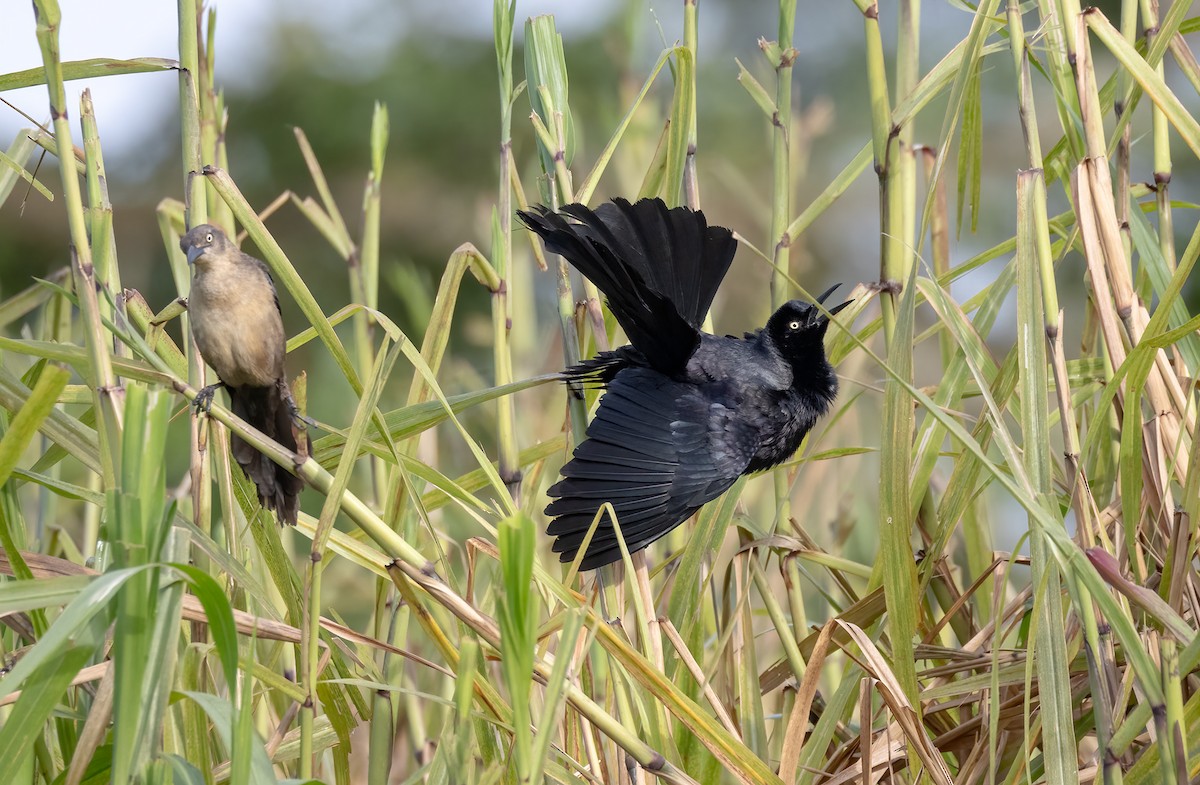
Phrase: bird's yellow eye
(208, 237)
(794, 325)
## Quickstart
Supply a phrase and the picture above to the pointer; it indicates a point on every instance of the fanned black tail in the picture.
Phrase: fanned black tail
(659, 267)
(268, 409)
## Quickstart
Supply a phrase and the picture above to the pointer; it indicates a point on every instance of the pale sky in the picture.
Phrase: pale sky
(123, 29)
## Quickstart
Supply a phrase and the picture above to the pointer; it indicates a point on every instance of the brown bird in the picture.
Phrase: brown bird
(239, 330)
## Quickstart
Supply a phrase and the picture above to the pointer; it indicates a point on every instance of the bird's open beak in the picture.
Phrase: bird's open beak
(836, 308)
(821, 300)
(195, 252)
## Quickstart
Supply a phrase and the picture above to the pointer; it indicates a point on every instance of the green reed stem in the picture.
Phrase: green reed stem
(782, 58)
(506, 416)
(103, 382)
(691, 185)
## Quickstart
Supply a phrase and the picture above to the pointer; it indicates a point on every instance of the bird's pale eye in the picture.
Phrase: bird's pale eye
(208, 238)
(795, 325)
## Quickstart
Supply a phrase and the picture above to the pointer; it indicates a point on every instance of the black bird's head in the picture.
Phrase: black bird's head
(798, 328)
(204, 243)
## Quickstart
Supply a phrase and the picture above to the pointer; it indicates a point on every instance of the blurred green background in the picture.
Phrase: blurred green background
(321, 68)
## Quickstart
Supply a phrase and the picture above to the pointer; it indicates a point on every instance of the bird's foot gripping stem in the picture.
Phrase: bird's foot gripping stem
(300, 420)
(204, 398)
(303, 421)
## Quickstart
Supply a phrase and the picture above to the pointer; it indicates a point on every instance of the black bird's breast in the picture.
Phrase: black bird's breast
(785, 426)
(773, 399)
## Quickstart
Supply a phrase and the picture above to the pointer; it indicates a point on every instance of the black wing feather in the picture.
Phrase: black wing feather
(651, 452)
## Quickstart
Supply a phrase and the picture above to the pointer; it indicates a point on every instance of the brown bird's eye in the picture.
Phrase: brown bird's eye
(794, 326)
(208, 238)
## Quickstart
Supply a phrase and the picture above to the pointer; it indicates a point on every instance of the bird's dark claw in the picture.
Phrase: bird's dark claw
(204, 398)
(299, 419)
(303, 421)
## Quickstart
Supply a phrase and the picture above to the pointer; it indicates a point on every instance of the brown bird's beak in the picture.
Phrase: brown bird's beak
(833, 310)
(194, 252)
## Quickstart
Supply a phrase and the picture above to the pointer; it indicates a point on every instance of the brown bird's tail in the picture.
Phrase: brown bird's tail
(269, 409)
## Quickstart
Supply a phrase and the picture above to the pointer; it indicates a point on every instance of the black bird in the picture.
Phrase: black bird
(684, 413)
(239, 330)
